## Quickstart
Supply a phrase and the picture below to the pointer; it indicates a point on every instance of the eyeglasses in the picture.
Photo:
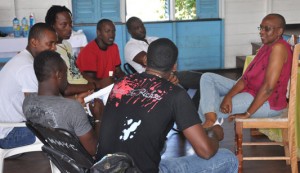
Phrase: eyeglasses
(266, 28)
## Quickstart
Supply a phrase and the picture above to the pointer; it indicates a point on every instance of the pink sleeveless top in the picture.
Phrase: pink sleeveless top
(256, 71)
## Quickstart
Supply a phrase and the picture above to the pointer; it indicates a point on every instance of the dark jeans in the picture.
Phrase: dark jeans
(189, 79)
(19, 136)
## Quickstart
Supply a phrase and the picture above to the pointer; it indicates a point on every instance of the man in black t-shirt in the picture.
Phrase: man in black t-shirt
(141, 110)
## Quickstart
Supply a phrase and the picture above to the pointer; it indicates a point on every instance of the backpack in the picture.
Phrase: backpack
(115, 163)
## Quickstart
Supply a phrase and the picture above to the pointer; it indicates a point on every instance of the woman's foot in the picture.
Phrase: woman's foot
(210, 119)
(208, 124)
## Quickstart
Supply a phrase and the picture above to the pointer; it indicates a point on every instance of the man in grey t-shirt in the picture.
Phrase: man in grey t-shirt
(49, 108)
(57, 112)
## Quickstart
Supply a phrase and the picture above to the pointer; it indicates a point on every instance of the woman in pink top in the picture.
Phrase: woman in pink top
(261, 91)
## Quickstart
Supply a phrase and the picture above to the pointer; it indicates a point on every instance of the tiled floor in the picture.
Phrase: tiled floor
(177, 146)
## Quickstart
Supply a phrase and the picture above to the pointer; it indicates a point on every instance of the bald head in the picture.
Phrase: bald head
(279, 19)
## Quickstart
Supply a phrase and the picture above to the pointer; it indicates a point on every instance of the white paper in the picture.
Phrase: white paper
(101, 94)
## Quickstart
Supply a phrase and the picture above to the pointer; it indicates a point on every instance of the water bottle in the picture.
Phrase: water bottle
(31, 20)
(16, 27)
(291, 40)
(25, 27)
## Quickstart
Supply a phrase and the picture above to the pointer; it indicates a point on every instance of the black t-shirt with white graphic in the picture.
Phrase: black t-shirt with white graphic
(139, 113)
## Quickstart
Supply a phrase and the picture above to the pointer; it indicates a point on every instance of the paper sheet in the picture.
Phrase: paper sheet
(101, 94)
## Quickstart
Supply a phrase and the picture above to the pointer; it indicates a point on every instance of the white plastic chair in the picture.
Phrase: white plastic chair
(4, 153)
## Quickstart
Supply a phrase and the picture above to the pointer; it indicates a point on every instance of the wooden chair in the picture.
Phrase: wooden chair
(285, 122)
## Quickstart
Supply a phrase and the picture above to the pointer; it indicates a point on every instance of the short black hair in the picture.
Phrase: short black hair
(47, 62)
(162, 55)
(130, 21)
(37, 30)
(101, 22)
(51, 13)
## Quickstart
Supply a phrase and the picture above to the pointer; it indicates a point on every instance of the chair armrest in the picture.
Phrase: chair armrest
(7, 124)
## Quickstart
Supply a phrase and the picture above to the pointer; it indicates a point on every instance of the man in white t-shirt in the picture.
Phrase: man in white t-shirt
(136, 49)
(17, 80)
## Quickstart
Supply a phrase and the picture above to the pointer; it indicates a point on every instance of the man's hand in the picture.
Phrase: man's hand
(144, 61)
(80, 97)
(97, 108)
(226, 105)
(173, 79)
(118, 73)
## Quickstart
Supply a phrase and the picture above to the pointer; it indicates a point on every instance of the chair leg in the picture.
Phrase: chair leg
(54, 169)
(1, 165)
(294, 164)
(292, 153)
(286, 144)
(239, 141)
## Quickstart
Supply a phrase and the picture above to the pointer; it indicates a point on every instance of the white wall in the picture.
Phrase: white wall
(7, 12)
(242, 17)
(22, 8)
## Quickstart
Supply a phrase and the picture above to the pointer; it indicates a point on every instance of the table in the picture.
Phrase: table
(275, 134)
(10, 46)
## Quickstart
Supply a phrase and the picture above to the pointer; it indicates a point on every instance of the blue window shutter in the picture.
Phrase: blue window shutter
(91, 11)
(207, 9)
(110, 9)
(85, 11)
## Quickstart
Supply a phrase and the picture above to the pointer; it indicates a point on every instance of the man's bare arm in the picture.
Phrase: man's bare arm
(141, 58)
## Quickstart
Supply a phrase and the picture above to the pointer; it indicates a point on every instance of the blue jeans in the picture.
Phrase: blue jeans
(224, 161)
(17, 137)
(214, 87)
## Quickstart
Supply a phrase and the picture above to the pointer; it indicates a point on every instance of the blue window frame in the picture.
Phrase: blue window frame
(91, 11)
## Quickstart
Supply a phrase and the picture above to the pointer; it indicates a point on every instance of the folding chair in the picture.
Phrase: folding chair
(63, 162)
(129, 69)
(63, 149)
(286, 122)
